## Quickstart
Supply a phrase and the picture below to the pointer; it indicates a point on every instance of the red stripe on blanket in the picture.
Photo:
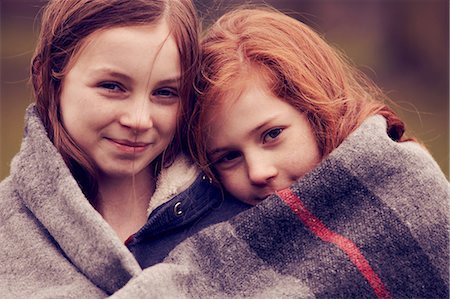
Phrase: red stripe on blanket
(319, 229)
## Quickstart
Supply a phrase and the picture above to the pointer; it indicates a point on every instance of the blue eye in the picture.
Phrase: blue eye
(166, 92)
(227, 158)
(230, 156)
(271, 135)
(111, 86)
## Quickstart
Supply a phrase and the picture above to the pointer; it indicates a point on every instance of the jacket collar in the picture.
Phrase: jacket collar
(172, 181)
(182, 209)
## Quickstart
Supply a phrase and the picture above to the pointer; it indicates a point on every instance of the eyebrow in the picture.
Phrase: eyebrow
(111, 72)
(169, 81)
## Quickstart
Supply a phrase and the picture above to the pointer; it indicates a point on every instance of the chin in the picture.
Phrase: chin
(119, 174)
(123, 172)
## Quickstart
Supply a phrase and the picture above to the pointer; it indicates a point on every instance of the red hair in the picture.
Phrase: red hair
(297, 65)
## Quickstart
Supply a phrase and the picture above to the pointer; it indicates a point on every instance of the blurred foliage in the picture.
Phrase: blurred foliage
(402, 45)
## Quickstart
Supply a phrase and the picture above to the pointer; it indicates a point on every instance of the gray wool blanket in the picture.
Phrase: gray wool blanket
(53, 244)
(371, 221)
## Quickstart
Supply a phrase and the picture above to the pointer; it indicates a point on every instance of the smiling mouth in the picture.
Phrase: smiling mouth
(128, 146)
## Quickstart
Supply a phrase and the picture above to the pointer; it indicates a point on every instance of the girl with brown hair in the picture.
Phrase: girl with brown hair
(101, 162)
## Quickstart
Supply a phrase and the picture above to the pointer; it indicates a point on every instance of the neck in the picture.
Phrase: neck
(123, 201)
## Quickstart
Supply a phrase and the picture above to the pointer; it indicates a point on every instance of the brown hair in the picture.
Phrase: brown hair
(298, 67)
(65, 26)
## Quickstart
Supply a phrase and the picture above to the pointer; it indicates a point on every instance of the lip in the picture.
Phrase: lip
(128, 146)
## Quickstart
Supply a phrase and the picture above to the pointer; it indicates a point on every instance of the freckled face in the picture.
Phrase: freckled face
(260, 144)
(119, 99)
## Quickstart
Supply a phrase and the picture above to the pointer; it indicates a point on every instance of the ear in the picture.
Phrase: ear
(36, 72)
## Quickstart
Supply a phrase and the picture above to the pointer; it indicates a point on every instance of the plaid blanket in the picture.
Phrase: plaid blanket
(371, 221)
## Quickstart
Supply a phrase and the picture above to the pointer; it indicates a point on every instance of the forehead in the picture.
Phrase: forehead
(119, 40)
(239, 104)
(250, 79)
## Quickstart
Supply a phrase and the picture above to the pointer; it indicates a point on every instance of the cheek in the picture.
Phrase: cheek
(167, 120)
(303, 161)
(70, 116)
(78, 116)
(234, 184)
(74, 107)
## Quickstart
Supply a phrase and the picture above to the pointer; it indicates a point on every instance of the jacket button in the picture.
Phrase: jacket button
(177, 209)
(207, 178)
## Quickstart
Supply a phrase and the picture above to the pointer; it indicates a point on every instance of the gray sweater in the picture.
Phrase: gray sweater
(371, 221)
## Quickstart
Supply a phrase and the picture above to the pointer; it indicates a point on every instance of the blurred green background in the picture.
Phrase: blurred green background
(403, 45)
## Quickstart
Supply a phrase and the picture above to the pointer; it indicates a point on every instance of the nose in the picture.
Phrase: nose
(261, 171)
(137, 116)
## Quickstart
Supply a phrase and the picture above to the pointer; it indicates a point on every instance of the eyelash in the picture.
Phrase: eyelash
(267, 134)
(169, 92)
(224, 160)
(112, 86)
(162, 93)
